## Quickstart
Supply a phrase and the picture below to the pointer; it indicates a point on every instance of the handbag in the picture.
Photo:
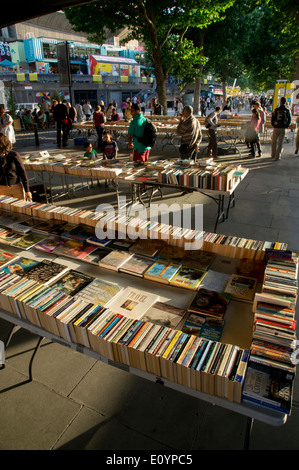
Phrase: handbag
(16, 190)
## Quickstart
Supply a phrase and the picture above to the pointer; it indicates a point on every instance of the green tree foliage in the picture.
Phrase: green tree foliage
(257, 43)
(160, 24)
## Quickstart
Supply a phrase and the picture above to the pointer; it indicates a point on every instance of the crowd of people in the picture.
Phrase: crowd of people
(63, 114)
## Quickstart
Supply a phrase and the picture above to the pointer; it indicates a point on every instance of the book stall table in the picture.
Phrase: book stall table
(141, 303)
(139, 181)
(252, 412)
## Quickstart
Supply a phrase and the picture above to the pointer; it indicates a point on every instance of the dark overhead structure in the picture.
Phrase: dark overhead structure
(18, 12)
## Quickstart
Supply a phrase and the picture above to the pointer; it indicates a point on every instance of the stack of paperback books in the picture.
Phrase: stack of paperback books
(272, 366)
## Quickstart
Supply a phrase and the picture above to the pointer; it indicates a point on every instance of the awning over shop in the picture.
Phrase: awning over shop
(110, 65)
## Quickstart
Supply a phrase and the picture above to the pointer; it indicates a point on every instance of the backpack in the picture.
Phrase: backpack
(282, 117)
(206, 123)
(149, 136)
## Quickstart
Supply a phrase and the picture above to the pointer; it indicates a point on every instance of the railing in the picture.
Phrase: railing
(77, 78)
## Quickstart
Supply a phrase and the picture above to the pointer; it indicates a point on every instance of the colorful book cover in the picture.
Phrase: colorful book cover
(241, 287)
(8, 237)
(79, 232)
(115, 259)
(49, 244)
(99, 292)
(188, 277)
(209, 302)
(74, 249)
(95, 256)
(136, 265)
(6, 257)
(28, 241)
(72, 282)
(133, 303)
(45, 271)
(20, 265)
(164, 314)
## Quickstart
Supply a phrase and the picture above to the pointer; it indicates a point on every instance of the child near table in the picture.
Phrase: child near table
(110, 149)
(90, 154)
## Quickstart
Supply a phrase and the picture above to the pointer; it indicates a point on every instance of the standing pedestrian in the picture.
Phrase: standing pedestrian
(79, 111)
(281, 120)
(211, 123)
(87, 109)
(252, 133)
(60, 116)
(6, 126)
(190, 132)
(99, 121)
(136, 129)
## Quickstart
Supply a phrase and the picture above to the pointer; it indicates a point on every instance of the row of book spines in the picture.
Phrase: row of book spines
(225, 245)
(196, 179)
(127, 352)
(73, 170)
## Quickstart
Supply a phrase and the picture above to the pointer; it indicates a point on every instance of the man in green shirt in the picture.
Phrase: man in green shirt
(136, 128)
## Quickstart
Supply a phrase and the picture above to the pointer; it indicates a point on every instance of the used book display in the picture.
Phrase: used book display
(135, 327)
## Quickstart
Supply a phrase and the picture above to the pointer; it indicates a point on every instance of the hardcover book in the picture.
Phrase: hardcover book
(198, 259)
(28, 241)
(72, 282)
(74, 249)
(46, 271)
(136, 265)
(162, 271)
(188, 277)
(20, 265)
(95, 256)
(99, 292)
(133, 303)
(6, 257)
(115, 259)
(210, 303)
(9, 237)
(147, 247)
(49, 244)
(241, 287)
(164, 314)
(215, 281)
(268, 386)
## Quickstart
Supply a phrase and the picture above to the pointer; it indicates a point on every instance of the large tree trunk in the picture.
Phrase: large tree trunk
(197, 95)
(160, 80)
(197, 85)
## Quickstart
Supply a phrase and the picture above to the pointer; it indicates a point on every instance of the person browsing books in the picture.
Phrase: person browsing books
(190, 132)
(90, 152)
(136, 129)
(211, 123)
(110, 150)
